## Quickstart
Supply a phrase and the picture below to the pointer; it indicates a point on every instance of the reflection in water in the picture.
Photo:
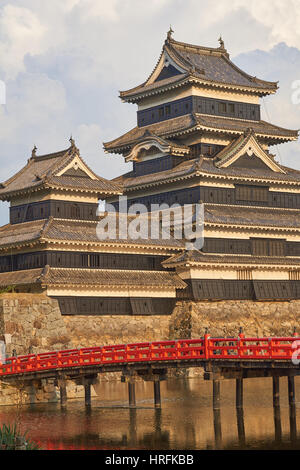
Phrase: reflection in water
(187, 419)
(217, 428)
(241, 426)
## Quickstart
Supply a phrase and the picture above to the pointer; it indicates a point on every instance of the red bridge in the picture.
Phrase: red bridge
(207, 349)
(219, 357)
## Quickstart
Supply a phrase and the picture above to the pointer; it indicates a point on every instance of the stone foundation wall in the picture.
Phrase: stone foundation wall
(33, 322)
(190, 319)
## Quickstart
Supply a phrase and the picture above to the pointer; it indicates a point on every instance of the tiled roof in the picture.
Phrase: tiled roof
(73, 231)
(183, 169)
(41, 172)
(161, 129)
(21, 233)
(101, 277)
(291, 175)
(193, 122)
(251, 216)
(206, 167)
(208, 66)
(16, 278)
(199, 257)
(92, 277)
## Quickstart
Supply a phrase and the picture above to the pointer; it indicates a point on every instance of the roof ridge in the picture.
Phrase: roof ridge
(219, 50)
(48, 156)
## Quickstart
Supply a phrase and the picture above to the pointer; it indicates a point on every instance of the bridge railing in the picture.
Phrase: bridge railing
(159, 351)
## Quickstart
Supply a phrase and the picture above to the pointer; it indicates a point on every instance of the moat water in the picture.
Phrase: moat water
(186, 419)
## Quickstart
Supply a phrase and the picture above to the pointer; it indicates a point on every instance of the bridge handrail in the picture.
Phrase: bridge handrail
(207, 348)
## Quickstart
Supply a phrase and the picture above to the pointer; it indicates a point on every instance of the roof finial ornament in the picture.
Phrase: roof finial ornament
(72, 141)
(222, 44)
(33, 153)
(170, 32)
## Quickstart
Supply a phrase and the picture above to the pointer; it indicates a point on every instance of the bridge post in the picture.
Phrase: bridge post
(276, 407)
(131, 392)
(62, 384)
(63, 395)
(291, 389)
(292, 407)
(157, 396)
(87, 381)
(239, 393)
(87, 394)
(216, 394)
(276, 391)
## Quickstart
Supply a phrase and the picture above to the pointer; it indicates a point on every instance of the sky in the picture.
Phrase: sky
(64, 62)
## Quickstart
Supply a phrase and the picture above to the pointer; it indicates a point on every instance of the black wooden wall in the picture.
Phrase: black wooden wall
(68, 259)
(240, 195)
(57, 209)
(115, 306)
(223, 289)
(201, 105)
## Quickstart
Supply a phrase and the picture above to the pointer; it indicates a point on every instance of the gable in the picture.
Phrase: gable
(77, 172)
(77, 168)
(253, 162)
(167, 72)
(246, 152)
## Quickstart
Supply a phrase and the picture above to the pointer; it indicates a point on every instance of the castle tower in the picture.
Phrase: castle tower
(200, 137)
(51, 243)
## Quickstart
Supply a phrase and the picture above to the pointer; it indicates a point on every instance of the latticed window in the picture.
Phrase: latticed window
(276, 248)
(222, 107)
(252, 193)
(231, 108)
(262, 247)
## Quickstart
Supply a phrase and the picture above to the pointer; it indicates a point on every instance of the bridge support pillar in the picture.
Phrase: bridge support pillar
(131, 393)
(62, 384)
(216, 394)
(276, 392)
(157, 397)
(291, 390)
(63, 395)
(87, 395)
(276, 408)
(239, 393)
(292, 407)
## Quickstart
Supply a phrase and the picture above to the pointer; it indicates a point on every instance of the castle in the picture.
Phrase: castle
(199, 138)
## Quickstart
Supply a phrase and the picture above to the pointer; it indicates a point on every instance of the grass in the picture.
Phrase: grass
(12, 439)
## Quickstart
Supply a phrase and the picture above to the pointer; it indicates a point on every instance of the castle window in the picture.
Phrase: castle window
(161, 112)
(222, 108)
(75, 211)
(252, 193)
(231, 108)
(168, 110)
(262, 247)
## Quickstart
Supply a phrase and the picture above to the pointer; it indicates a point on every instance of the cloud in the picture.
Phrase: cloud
(21, 32)
(281, 63)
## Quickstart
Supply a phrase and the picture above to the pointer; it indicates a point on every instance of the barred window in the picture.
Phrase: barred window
(252, 193)
(222, 108)
(231, 108)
